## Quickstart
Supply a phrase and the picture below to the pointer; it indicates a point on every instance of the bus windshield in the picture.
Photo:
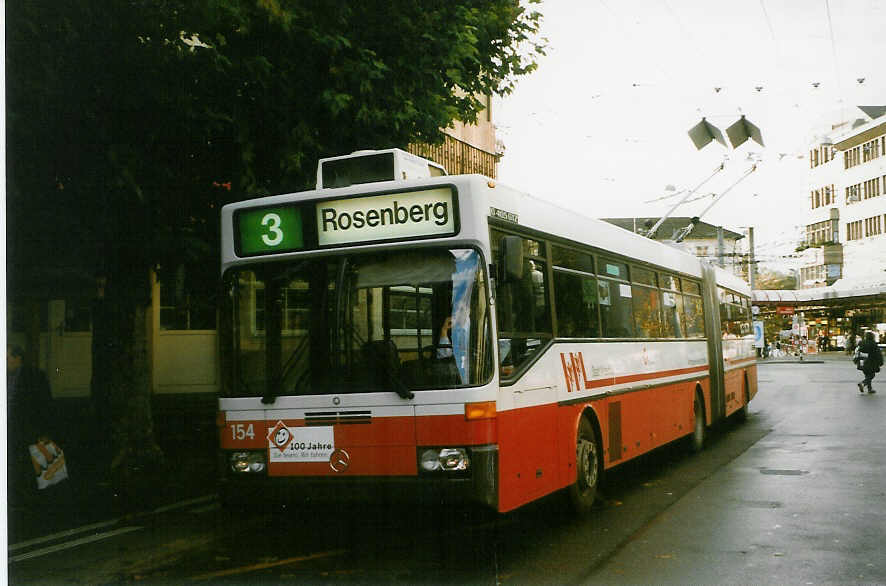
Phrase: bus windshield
(381, 321)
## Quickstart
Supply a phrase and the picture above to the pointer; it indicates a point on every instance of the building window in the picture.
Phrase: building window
(187, 301)
(853, 230)
(871, 150)
(871, 188)
(872, 226)
(853, 193)
(817, 233)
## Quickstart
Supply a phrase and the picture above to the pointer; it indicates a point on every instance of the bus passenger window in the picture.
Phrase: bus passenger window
(693, 316)
(616, 315)
(576, 302)
(647, 316)
(671, 326)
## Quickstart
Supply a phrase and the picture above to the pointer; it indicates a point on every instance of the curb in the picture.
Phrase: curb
(792, 361)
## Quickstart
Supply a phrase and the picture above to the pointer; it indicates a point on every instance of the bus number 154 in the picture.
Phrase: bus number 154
(241, 431)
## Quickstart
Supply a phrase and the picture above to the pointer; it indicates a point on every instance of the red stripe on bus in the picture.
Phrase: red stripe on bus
(631, 378)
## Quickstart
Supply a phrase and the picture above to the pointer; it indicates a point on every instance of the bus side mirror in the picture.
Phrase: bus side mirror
(511, 259)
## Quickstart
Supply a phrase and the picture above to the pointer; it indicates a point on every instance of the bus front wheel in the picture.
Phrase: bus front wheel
(587, 463)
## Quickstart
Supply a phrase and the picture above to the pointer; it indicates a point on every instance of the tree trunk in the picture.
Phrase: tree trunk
(121, 385)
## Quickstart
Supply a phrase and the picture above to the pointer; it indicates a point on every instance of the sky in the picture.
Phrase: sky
(602, 124)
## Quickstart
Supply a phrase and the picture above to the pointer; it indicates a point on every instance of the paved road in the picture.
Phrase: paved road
(805, 505)
(793, 496)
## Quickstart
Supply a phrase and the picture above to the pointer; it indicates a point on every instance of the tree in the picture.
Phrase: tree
(773, 279)
(130, 123)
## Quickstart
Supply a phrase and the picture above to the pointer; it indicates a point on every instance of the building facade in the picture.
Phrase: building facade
(845, 218)
(843, 274)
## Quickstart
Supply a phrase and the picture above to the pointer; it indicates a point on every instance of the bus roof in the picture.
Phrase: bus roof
(486, 197)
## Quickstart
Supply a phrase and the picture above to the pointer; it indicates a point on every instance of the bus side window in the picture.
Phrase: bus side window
(616, 312)
(523, 309)
(576, 297)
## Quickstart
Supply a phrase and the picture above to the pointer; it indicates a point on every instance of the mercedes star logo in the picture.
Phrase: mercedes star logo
(340, 460)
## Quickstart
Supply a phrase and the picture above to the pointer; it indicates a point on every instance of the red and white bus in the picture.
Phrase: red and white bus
(401, 331)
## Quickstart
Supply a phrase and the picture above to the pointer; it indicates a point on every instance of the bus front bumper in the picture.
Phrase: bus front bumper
(479, 486)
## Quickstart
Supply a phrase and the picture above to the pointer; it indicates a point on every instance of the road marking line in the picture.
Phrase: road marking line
(103, 524)
(263, 566)
(183, 504)
(61, 534)
(207, 508)
(69, 544)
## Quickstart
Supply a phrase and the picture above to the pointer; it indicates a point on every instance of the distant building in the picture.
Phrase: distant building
(466, 148)
(845, 213)
(702, 241)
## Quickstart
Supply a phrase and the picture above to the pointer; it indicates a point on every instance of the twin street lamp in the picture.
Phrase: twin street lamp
(702, 134)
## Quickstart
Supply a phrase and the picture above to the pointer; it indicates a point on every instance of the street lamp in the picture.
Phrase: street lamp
(704, 132)
(741, 131)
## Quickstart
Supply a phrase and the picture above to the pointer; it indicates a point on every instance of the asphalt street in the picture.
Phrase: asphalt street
(805, 505)
(794, 495)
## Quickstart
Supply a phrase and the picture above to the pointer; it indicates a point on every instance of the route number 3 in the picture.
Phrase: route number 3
(241, 431)
(275, 234)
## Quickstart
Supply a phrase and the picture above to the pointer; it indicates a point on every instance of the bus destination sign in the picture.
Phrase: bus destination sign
(270, 230)
(393, 216)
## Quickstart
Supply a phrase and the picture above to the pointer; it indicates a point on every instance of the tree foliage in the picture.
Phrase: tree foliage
(129, 123)
(773, 279)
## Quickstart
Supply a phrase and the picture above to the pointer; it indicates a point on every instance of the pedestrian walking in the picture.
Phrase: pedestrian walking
(30, 421)
(850, 344)
(869, 360)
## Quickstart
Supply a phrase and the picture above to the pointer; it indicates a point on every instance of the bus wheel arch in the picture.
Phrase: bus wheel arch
(699, 424)
(588, 463)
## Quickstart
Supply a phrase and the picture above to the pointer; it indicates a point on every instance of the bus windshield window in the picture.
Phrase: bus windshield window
(414, 319)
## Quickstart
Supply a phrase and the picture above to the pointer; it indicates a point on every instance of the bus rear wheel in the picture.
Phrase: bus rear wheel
(587, 463)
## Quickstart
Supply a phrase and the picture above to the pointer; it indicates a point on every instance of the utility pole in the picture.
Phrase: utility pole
(752, 265)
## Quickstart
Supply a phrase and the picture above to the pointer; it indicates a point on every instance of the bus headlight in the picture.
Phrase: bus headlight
(247, 462)
(444, 460)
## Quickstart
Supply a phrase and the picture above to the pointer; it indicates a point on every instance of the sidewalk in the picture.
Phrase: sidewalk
(814, 358)
(188, 441)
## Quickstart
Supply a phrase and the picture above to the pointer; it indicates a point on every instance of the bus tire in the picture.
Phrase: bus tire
(697, 438)
(583, 492)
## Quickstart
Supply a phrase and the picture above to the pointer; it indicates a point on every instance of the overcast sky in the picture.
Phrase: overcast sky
(602, 124)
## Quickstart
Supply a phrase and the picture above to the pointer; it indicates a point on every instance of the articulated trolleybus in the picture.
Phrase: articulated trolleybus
(398, 331)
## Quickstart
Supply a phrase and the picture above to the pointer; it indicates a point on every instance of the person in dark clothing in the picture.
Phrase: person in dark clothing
(29, 419)
(870, 361)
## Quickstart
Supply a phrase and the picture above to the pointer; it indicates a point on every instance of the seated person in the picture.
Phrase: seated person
(444, 342)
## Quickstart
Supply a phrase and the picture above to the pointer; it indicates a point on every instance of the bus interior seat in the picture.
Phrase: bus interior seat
(382, 360)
